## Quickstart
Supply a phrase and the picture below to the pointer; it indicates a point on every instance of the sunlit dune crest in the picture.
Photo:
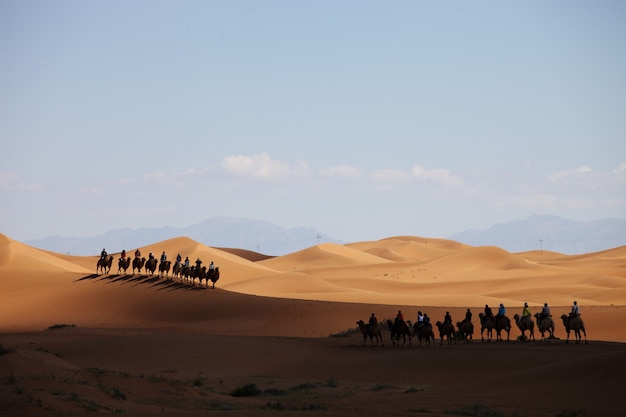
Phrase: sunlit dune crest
(398, 271)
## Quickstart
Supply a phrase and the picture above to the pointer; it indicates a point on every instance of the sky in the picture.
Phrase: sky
(361, 119)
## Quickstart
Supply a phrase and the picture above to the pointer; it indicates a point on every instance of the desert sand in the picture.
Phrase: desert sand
(279, 333)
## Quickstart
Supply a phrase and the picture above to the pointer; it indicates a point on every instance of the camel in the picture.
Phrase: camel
(151, 266)
(177, 269)
(213, 276)
(525, 323)
(104, 265)
(371, 331)
(545, 325)
(486, 322)
(424, 332)
(576, 324)
(446, 329)
(466, 328)
(503, 323)
(138, 264)
(164, 267)
(123, 263)
(399, 328)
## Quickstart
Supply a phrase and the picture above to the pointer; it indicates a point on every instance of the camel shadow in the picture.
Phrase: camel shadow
(152, 281)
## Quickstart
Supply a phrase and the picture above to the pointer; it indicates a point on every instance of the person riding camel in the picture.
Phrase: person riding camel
(575, 310)
(420, 319)
(399, 317)
(151, 256)
(447, 318)
(103, 255)
(488, 312)
(501, 311)
(178, 258)
(163, 257)
(526, 311)
(123, 254)
(186, 261)
(211, 266)
(468, 315)
(426, 319)
(137, 253)
(545, 311)
(198, 263)
(373, 320)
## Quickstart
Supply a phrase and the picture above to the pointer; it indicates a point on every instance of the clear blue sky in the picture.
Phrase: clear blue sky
(362, 119)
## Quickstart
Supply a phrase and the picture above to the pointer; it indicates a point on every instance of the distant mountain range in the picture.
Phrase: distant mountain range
(537, 232)
(549, 233)
(225, 232)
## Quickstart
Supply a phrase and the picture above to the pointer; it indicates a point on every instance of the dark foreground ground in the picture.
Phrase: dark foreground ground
(76, 371)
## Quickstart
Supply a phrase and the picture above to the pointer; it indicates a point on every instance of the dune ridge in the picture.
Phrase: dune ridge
(405, 271)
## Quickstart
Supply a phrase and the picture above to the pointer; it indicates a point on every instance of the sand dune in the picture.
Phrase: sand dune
(197, 344)
(403, 271)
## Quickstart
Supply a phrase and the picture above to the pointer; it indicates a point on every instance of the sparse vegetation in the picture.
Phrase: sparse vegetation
(61, 326)
(475, 410)
(5, 350)
(381, 387)
(248, 390)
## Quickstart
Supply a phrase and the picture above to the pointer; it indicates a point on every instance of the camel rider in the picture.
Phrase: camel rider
(420, 319)
(163, 257)
(186, 261)
(488, 312)
(501, 311)
(103, 255)
(211, 266)
(373, 320)
(545, 311)
(137, 254)
(575, 310)
(123, 254)
(151, 256)
(526, 311)
(399, 317)
(198, 263)
(468, 315)
(426, 319)
(447, 318)
(178, 258)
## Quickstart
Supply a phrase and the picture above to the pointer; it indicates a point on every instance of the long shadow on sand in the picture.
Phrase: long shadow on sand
(151, 281)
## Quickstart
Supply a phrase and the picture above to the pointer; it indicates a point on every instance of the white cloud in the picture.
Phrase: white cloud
(342, 171)
(559, 176)
(441, 176)
(11, 181)
(262, 167)
(390, 175)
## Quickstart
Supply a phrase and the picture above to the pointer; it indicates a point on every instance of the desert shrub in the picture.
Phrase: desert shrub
(474, 410)
(117, 393)
(248, 390)
(331, 383)
(5, 350)
(60, 326)
(381, 387)
(303, 386)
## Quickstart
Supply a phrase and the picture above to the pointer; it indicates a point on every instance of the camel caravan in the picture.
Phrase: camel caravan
(182, 270)
(402, 331)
